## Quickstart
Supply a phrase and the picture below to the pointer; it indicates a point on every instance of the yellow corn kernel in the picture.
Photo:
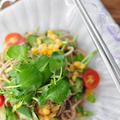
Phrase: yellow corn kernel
(35, 50)
(39, 39)
(29, 33)
(56, 45)
(44, 51)
(71, 82)
(50, 31)
(79, 115)
(55, 49)
(51, 46)
(46, 118)
(84, 55)
(56, 108)
(52, 36)
(88, 91)
(46, 111)
(76, 73)
(79, 65)
(74, 78)
(59, 42)
(18, 105)
(38, 42)
(83, 66)
(50, 51)
(72, 68)
(43, 46)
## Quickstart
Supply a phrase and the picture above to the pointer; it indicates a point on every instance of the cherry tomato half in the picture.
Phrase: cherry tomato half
(13, 39)
(1, 100)
(91, 78)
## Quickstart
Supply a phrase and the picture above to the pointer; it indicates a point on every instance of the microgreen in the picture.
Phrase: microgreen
(56, 93)
(88, 58)
(32, 40)
(18, 52)
(24, 112)
(78, 57)
(91, 98)
(57, 60)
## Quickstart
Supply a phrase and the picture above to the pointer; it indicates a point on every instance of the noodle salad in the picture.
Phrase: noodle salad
(45, 76)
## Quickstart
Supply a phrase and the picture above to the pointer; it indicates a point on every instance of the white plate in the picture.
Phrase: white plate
(26, 15)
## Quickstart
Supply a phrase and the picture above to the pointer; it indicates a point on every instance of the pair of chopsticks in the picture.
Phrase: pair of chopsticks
(100, 44)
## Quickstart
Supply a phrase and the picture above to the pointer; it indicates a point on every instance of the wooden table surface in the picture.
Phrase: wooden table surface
(113, 6)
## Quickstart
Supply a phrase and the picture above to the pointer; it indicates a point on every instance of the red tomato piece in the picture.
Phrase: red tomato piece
(91, 78)
(1, 100)
(13, 39)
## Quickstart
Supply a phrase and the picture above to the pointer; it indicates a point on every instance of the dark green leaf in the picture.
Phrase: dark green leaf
(69, 59)
(22, 67)
(30, 77)
(42, 100)
(9, 114)
(14, 95)
(42, 62)
(57, 93)
(78, 96)
(24, 112)
(66, 72)
(73, 44)
(78, 57)
(57, 61)
(47, 41)
(78, 88)
(80, 109)
(14, 74)
(28, 97)
(88, 114)
(32, 40)
(84, 113)
(91, 98)
(18, 52)
(46, 74)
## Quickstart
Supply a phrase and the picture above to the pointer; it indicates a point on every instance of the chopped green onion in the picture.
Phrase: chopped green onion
(89, 57)
(64, 45)
(59, 33)
(37, 29)
(88, 114)
(78, 57)
(91, 98)
(69, 59)
(80, 109)
(75, 37)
